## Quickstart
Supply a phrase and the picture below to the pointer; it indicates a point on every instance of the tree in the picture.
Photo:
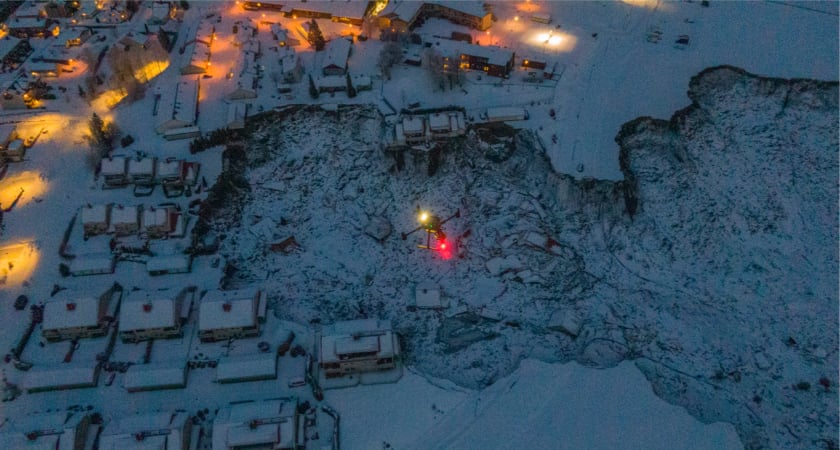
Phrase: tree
(315, 36)
(390, 54)
(351, 91)
(101, 138)
(313, 91)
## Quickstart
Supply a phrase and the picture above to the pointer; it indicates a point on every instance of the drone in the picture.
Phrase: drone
(432, 224)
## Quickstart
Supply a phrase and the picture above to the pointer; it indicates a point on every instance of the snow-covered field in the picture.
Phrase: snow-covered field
(721, 289)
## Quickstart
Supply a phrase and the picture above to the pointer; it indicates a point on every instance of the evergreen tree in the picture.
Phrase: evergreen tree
(351, 91)
(315, 37)
(313, 91)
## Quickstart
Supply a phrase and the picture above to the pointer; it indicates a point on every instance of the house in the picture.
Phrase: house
(411, 130)
(141, 170)
(343, 11)
(236, 113)
(291, 68)
(54, 430)
(258, 424)
(95, 218)
(114, 171)
(355, 346)
(71, 315)
(336, 53)
(77, 37)
(494, 61)
(42, 69)
(446, 124)
(181, 109)
(229, 314)
(407, 15)
(125, 220)
(160, 430)
(28, 27)
(169, 171)
(157, 222)
(147, 314)
(61, 376)
(282, 36)
(199, 49)
(160, 13)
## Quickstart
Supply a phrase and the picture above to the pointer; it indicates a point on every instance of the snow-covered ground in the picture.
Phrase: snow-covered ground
(720, 288)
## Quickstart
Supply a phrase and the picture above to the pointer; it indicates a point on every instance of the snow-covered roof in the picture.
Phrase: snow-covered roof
(234, 368)
(92, 263)
(439, 121)
(450, 48)
(143, 310)
(506, 113)
(169, 374)
(155, 217)
(169, 168)
(113, 166)
(58, 376)
(94, 214)
(121, 214)
(357, 336)
(180, 109)
(233, 425)
(337, 8)
(141, 166)
(71, 310)
(26, 22)
(228, 309)
(167, 427)
(205, 32)
(54, 431)
(336, 53)
(413, 124)
(169, 263)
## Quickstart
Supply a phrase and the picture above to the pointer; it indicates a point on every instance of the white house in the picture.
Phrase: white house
(141, 170)
(336, 53)
(114, 171)
(71, 315)
(92, 264)
(125, 220)
(154, 430)
(157, 222)
(181, 109)
(257, 424)
(151, 315)
(229, 314)
(166, 264)
(95, 218)
(357, 346)
(60, 431)
(236, 113)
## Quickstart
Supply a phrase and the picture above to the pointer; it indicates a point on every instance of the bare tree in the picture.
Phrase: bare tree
(390, 54)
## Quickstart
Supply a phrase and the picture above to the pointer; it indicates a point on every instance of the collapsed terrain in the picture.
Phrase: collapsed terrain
(713, 265)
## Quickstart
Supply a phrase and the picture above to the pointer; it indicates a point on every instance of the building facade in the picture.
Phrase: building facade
(357, 346)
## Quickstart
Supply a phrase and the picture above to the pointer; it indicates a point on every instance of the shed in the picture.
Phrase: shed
(125, 220)
(113, 170)
(141, 170)
(95, 219)
(166, 264)
(92, 264)
(257, 366)
(148, 377)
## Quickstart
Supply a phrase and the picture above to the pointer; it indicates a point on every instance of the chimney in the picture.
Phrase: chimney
(226, 306)
(147, 307)
(71, 306)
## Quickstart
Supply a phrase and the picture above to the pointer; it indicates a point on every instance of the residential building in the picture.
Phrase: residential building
(357, 346)
(114, 171)
(59, 430)
(230, 314)
(181, 109)
(403, 15)
(352, 12)
(155, 430)
(72, 315)
(336, 53)
(147, 314)
(95, 218)
(270, 424)
(125, 220)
